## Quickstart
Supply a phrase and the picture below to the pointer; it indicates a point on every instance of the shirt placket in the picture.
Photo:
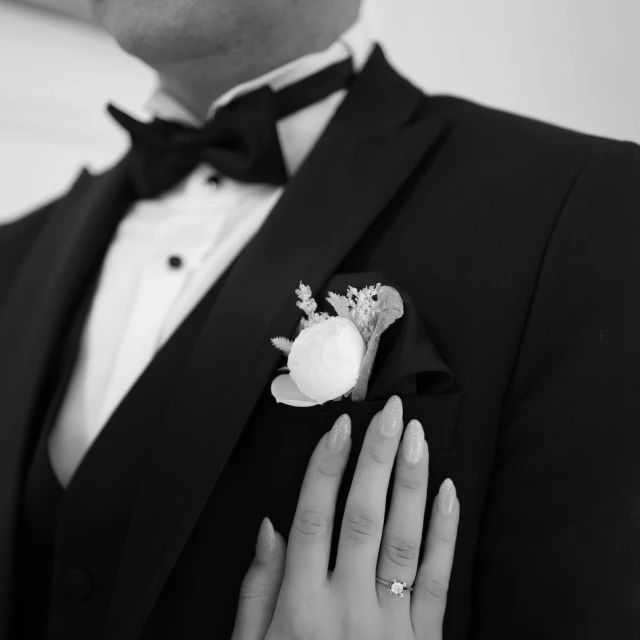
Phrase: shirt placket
(180, 248)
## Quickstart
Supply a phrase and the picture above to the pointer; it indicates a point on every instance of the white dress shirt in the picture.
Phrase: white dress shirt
(169, 251)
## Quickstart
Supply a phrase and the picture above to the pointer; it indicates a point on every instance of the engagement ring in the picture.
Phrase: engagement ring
(396, 587)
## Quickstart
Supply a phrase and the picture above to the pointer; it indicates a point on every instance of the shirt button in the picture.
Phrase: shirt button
(175, 262)
(76, 585)
(213, 181)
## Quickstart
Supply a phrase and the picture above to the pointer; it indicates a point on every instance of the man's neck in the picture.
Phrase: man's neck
(197, 83)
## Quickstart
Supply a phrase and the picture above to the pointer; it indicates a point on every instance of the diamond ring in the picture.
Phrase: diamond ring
(396, 587)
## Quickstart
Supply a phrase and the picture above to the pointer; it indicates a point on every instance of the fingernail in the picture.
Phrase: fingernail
(340, 433)
(413, 442)
(391, 418)
(266, 542)
(447, 497)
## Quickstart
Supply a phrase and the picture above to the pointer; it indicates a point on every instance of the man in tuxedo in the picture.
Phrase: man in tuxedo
(140, 446)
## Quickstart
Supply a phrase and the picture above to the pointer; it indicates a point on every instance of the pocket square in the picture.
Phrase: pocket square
(407, 362)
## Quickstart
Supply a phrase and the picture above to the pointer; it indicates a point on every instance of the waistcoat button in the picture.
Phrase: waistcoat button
(76, 584)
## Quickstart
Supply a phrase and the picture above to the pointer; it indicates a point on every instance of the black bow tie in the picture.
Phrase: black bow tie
(240, 141)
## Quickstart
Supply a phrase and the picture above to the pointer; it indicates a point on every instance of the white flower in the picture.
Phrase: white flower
(324, 364)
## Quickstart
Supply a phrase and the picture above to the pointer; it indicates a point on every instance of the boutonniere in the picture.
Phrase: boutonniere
(332, 356)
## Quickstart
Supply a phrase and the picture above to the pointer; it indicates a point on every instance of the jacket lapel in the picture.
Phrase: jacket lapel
(33, 320)
(366, 154)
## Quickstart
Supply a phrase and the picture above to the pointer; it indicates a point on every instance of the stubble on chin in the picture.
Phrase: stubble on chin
(161, 32)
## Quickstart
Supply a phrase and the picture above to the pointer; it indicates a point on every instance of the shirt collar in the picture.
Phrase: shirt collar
(298, 132)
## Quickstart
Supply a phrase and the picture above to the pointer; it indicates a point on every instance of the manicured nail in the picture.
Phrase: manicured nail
(413, 442)
(391, 418)
(447, 497)
(340, 433)
(266, 542)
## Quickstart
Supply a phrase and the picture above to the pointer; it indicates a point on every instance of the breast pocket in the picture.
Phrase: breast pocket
(278, 441)
(290, 429)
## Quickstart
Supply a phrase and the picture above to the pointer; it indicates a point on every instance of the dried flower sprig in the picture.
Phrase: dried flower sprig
(365, 308)
(309, 306)
(283, 344)
(361, 307)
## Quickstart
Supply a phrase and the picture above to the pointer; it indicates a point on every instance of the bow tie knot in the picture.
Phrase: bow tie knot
(240, 141)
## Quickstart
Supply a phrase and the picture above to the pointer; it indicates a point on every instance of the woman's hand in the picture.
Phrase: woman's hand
(298, 598)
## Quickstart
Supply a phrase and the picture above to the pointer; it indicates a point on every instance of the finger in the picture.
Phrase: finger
(310, 538)
(429, 598)
(364, 511)
(402, 536)
(261, 586)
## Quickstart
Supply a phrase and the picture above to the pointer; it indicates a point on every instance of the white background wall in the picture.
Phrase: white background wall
(572, 62)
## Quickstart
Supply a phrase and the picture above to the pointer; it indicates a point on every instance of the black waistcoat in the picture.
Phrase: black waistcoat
(101, 492)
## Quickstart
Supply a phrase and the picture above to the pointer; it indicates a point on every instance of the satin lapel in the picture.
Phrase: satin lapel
(33, 319)
(366, 154)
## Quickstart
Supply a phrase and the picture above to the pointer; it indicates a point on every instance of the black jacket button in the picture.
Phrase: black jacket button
(76, 585)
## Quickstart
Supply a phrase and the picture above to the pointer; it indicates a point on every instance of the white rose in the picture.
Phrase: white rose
(325, 359)
(324, 363)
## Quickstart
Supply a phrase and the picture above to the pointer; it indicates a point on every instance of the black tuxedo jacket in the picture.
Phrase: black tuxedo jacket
(519, 246)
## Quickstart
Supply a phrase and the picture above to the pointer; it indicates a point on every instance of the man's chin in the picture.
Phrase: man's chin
(156, 33)
(149, 48)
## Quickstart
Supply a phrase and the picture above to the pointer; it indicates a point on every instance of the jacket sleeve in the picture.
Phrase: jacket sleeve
(559, 553)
